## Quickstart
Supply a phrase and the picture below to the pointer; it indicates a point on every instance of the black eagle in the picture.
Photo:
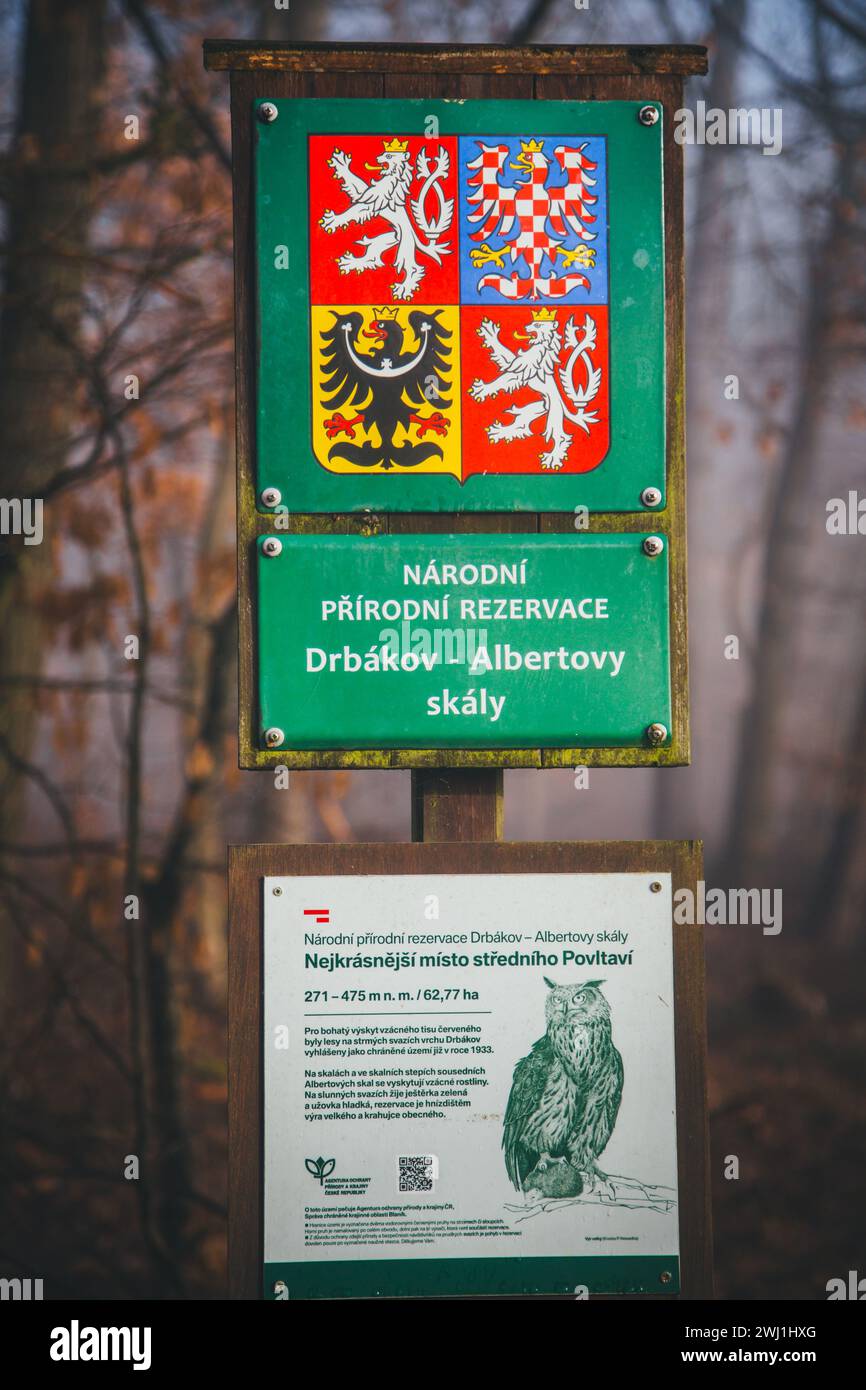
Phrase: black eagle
(385, 386)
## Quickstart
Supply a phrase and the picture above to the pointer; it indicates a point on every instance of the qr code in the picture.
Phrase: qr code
(416, 1173)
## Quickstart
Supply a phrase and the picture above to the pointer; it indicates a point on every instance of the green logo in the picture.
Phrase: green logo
(320, 1168)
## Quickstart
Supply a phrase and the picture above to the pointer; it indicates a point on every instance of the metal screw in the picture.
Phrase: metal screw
(656, 733)
(647, 115)
(271, 546)
(651, 496)
(665, 1276)
(274, 737)
(278, 892)
(653, 545)
(654, 887)
(267, 112)
(271, 497)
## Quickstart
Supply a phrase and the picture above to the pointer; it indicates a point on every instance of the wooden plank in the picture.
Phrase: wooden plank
(245, 1083)
(249, 864)
(582, 80)
(239, 55)
(457, 804)
(690, 1046)
(402, 758)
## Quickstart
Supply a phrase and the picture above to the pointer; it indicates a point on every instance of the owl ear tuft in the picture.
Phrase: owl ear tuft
(549, 983)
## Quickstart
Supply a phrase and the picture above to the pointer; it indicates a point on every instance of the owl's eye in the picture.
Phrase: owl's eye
(576, 998)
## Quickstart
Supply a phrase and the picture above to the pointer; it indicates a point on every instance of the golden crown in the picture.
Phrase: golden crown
(531, 146)
(544, 315)
(396, 146)
(386, 312)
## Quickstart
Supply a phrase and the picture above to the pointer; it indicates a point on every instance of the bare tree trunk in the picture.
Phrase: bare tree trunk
(708, 277)
(50, 205)
(202, 926)
(51, 202)
(49, 209)
(304, 19)
(752, 816)
(715, 212)
(163, 901)
(834, 882)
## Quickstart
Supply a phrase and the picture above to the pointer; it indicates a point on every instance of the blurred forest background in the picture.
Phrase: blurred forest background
(119, 776)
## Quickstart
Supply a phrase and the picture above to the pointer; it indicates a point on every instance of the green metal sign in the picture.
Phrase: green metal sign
(460, 306)
(463, 641)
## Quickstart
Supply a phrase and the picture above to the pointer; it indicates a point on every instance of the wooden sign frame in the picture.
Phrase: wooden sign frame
(634, 73)
(249, 865)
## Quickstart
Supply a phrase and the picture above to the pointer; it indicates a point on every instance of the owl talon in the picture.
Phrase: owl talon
(598, 1184)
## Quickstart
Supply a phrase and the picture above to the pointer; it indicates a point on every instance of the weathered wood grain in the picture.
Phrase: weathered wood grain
(238, 55)
(457, 804)
(602, 73)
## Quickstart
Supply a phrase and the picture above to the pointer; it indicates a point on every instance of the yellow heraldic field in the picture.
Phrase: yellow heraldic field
(386, 388)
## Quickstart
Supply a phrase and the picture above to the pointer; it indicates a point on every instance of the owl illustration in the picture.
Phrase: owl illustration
(565, 1096)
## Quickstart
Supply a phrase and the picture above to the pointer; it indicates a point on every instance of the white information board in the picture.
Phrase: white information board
(469, 1084)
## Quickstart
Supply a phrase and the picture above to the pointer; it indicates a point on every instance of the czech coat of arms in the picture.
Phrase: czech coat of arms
(459, 303)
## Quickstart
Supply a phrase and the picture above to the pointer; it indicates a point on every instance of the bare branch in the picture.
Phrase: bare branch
(152, 37)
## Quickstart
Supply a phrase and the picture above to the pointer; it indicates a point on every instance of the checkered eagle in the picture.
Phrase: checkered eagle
(532, 220)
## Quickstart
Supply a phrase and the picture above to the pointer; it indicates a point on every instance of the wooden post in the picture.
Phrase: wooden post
(462, 804)
(457, 804)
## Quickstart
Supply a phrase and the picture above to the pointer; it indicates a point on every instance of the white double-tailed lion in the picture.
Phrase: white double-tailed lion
(410, 229)
(560, 398)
